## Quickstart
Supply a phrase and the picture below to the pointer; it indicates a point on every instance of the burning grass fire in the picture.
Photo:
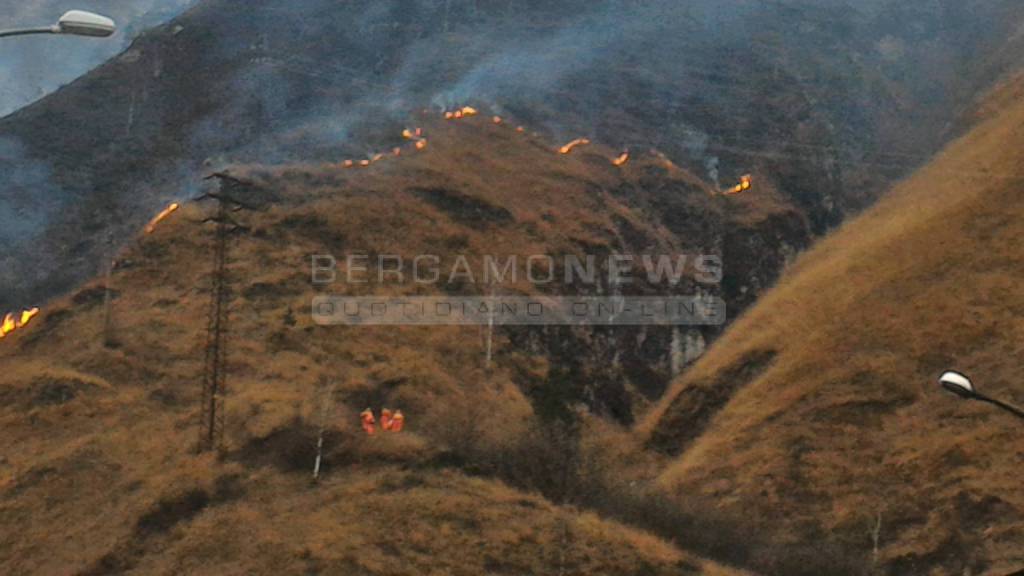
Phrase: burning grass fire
(569, 147)
(464, 112)
(161, 217)
(746, 182)
(414, 134)
(12, 322)
(416, 137)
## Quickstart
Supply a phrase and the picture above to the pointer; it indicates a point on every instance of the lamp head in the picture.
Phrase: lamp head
(958, 384)
(82, 23)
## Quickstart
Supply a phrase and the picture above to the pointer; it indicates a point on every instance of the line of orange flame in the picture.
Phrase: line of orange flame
(577, 142)
(160, 217)
(416, 135)
(463, 112)
(10, 323)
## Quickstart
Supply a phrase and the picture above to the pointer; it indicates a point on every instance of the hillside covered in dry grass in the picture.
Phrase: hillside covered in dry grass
(821, 405)
(100, 474)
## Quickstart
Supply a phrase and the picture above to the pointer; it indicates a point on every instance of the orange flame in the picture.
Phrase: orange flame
(160, 217)
(497, 120)
(364, 163)
(7, 326)
(621, 160)
(416, 135)
(10, 323)
(463, 112)
(746, 182)
(347, 163)
(577, 142)
(520, 129)
(27, 317)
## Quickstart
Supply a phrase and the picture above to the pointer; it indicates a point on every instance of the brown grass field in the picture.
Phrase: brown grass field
(820, 406)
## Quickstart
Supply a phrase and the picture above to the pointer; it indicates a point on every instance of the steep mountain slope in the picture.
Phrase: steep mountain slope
(94, 427)
(820, 405)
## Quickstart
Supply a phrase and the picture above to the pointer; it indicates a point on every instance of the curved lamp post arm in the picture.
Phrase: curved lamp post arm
(27, 31)
(1008, 407)
(961, 385)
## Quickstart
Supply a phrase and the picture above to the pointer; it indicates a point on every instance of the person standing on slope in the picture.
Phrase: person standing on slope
(369, 422)
(397, 421)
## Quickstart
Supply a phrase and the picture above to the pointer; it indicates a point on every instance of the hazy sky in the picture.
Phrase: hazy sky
(33, 66)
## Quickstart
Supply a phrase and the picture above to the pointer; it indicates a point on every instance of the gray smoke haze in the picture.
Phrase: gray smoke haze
(28, 197)
(32, 67)
(395, 56)
(28, 201)
(720, 86)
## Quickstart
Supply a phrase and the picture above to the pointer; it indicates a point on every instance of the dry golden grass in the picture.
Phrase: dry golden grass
(848, 421)
(98, 472)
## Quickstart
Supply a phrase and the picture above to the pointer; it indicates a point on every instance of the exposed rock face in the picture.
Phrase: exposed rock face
(755, 255)
(611, 370)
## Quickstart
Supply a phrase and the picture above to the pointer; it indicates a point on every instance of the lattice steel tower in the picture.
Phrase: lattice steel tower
(211, 430)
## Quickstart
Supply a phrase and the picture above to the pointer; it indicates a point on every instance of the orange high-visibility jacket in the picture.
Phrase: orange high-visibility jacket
(385, 419)
(368, 421)
(397, 421)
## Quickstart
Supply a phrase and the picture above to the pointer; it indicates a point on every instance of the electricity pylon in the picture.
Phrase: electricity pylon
(211, 431)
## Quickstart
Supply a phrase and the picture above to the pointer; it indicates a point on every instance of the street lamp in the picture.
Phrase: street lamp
(74, 23)
(961, 385)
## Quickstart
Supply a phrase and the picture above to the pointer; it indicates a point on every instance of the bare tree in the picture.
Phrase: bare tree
(108, 319)
(876, 534)
(325, 408)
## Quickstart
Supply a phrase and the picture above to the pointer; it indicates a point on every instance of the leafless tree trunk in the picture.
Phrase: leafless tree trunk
(108, 319)
(563, 546)
(490, 331)
(876, 534)
(325, 406)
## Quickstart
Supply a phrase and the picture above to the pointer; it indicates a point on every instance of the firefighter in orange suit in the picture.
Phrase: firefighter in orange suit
(369, 422)
(397, 421)
(385, 419)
